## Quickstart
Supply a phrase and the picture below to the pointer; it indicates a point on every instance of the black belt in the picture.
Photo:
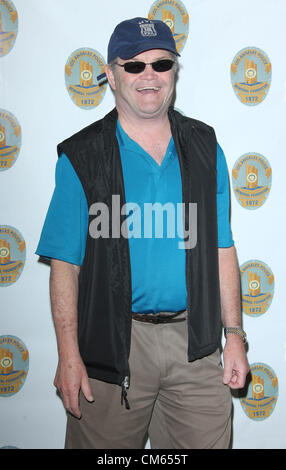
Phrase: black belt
(158, 318)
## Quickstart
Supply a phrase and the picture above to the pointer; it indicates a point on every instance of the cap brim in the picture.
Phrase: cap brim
(130, 52)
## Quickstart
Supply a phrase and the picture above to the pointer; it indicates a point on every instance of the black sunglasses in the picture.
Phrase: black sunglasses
(162, 65)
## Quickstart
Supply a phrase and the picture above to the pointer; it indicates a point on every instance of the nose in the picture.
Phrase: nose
(148, 72)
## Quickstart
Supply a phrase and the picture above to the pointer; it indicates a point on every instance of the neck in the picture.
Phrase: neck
(158, 125)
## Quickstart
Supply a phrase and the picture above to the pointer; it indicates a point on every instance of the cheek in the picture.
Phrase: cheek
(125, 84)
(169, 80)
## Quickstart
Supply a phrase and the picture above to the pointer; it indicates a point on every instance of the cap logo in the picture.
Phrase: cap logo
(148, 29)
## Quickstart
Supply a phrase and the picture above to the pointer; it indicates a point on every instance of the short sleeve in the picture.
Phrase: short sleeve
(65, 228)
(225, 239)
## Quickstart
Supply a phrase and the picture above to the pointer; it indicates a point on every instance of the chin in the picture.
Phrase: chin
(151, 111)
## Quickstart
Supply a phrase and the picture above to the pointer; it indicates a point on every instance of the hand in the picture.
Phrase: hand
(236, 365)
(71, 377)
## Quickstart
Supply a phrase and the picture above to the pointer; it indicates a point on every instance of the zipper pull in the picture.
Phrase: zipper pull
(124, 386)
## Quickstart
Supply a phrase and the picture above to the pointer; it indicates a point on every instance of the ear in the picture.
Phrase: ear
(110, 76)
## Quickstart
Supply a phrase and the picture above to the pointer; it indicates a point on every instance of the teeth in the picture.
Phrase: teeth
(148, 88)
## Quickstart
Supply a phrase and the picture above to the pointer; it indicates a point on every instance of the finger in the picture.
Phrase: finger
(237, 381)
(71, 401)
(65, 399)
(234, 376)
(241, 381)
(86, 390)
(234, 381)
(74, 408)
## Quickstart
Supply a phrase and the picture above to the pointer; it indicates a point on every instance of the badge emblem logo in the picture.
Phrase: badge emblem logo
(10, 140)
(257, 284)
(251, 180)
(81, 72)
(12, 255)
(251, 75)
(261, 392)
(14, 365)
(8, 26)
(148, 29)
(175, 15)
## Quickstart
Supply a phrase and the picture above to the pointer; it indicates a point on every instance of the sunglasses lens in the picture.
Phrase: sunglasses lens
(159, 66)
(162, 65)
(134, 67)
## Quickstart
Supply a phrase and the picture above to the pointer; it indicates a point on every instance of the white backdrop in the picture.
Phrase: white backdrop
(33, 90)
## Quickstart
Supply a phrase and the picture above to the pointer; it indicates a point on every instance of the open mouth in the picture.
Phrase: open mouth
(148, 89)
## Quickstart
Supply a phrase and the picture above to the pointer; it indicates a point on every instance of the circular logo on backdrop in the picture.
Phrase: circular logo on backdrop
(251, 75)
(175, 15)
(14, 365)
(81, 72)
(10, 140)
(262, 392)
(257, 285)
(12, 255)
(251, 179)
(8, 26)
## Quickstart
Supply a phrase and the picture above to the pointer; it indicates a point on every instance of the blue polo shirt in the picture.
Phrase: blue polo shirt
(156, 255)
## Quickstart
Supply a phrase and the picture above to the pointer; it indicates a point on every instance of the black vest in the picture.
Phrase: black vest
(105, 295)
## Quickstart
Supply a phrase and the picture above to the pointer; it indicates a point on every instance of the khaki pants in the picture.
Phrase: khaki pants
(176, 403)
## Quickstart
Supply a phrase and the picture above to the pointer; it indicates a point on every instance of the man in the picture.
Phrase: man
(140, 312)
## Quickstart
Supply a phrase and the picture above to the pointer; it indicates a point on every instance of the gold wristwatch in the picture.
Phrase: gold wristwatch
(236, 331)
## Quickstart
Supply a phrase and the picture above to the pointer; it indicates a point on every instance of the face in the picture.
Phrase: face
(147, 94)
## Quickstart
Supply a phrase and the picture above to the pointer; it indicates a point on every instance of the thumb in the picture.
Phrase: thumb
(86, 390)
(227, 374)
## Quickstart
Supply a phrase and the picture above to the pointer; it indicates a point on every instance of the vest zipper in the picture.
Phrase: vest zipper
(126, 381)
(124, 386)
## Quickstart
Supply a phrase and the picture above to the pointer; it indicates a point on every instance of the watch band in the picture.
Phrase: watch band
(236, 331)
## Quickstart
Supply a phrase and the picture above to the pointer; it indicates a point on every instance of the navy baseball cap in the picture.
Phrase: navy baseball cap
(131, 37)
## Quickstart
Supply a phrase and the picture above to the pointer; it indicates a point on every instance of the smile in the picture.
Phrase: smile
(148, 88)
